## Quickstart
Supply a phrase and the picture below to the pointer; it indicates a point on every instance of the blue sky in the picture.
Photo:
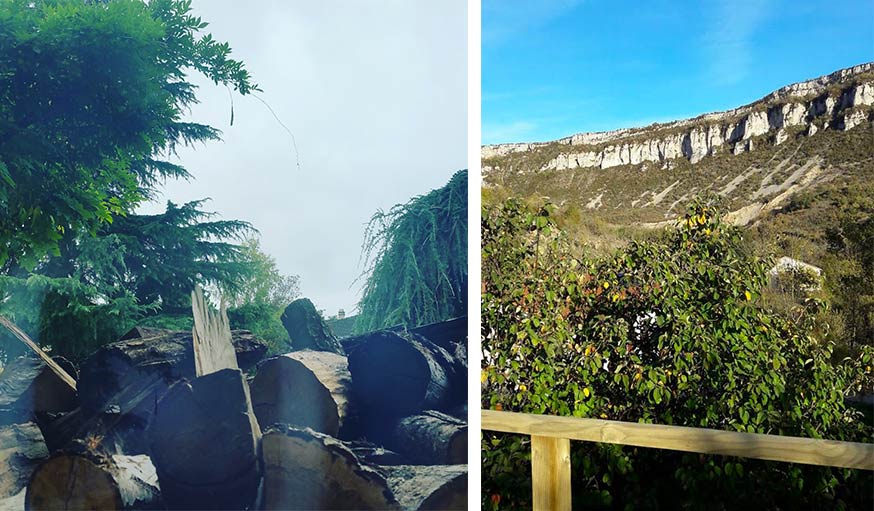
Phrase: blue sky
(551, 68)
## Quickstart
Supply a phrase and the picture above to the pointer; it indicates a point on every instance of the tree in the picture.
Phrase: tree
(667, 331)
(259, 300)
(133, 269)
(92, 95)
(417, 257)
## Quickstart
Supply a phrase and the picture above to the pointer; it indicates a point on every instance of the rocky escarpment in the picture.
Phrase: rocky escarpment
(839, 101)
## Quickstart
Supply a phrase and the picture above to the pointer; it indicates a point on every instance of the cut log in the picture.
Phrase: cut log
(204, 440)
(128, 377)
(306, 328)
(88, 480)
(309, 389)
(419, 487)
(397, 374)
(445, 334)
(28, 385)
(22, 449)
(369, 452)
(428, 438)
(304, 469)
(116, 433)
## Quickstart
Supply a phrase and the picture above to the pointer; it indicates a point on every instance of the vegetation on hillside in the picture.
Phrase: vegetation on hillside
(671, 330)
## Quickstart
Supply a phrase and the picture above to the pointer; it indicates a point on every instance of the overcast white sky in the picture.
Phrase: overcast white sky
(375, 94)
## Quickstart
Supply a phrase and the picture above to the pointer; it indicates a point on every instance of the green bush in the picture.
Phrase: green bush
(667, 331)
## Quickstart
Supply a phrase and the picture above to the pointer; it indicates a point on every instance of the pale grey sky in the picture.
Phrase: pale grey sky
(375, 93)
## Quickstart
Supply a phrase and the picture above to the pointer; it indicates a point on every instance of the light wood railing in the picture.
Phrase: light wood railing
(551, 436)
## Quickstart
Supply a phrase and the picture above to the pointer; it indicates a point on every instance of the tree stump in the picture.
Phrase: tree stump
(420, 487)
(204, 443)
(21, 450)
(309, 389)
(87, 480)
(306, 328)
(398, 374)
(304, 469)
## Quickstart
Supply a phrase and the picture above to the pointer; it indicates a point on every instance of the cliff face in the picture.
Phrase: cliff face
(839, 101)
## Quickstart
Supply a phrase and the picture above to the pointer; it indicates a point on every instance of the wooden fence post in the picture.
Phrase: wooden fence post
(551, 473)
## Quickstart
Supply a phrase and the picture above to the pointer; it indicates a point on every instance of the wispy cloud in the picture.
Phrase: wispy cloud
(503, 19)
(728, 43)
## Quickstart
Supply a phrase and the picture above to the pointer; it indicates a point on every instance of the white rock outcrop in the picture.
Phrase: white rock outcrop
(798, 105)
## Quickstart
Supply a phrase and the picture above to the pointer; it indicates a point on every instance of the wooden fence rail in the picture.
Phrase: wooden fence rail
(551, 436)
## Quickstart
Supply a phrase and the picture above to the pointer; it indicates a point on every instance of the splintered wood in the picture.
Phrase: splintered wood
(213, 349)
(18, 333)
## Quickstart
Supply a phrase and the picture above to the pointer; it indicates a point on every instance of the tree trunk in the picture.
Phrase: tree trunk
(420, 487)
(29, 386)
(429, 438)
(117, 433)
(306, 328)
(21, 450)
(130, 376)
(309, 389)
(204, 440)
(87, 480)
(397, 374)
(304, 469)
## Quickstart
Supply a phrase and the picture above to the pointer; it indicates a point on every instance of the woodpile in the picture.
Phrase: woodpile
(202, 420)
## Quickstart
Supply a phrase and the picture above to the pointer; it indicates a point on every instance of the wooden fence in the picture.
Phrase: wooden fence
(551, 436)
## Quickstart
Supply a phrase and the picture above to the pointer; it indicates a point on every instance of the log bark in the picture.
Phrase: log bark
(419, 487)
(446, 334)
(304, 469)
(129, 376)
(396, 374)
(22, 449)
(88, 480)
(309, 389)
(306, 328)
(29, 386)
(368, 452)
(428, 438)
(204, 443)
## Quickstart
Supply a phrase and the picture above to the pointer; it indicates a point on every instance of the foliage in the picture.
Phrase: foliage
(667, 331)
(417, 256)
(264, 283)
(853, 284)
(92, 95)
(100, 286)
(259, 300)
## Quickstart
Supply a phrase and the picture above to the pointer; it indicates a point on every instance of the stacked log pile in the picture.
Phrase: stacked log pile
(179, 420)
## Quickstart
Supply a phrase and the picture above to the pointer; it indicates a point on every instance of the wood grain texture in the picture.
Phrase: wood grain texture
(551, 473)
(830, 453)
(213, 349)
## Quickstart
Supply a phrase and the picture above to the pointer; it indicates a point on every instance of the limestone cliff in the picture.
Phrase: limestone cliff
(838, 101)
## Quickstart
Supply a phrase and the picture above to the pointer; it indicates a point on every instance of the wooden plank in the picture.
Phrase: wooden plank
(810, 451)
(58, 370)
(213, 348)
(551, 473)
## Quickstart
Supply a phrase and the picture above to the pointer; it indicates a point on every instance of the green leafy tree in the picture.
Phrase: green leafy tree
(138, 268)
(852, 245)
(259, 300)
(417, 260)
(92, 94)
(667, 331)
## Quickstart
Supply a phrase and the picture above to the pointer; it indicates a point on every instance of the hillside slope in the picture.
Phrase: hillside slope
(787, 162)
